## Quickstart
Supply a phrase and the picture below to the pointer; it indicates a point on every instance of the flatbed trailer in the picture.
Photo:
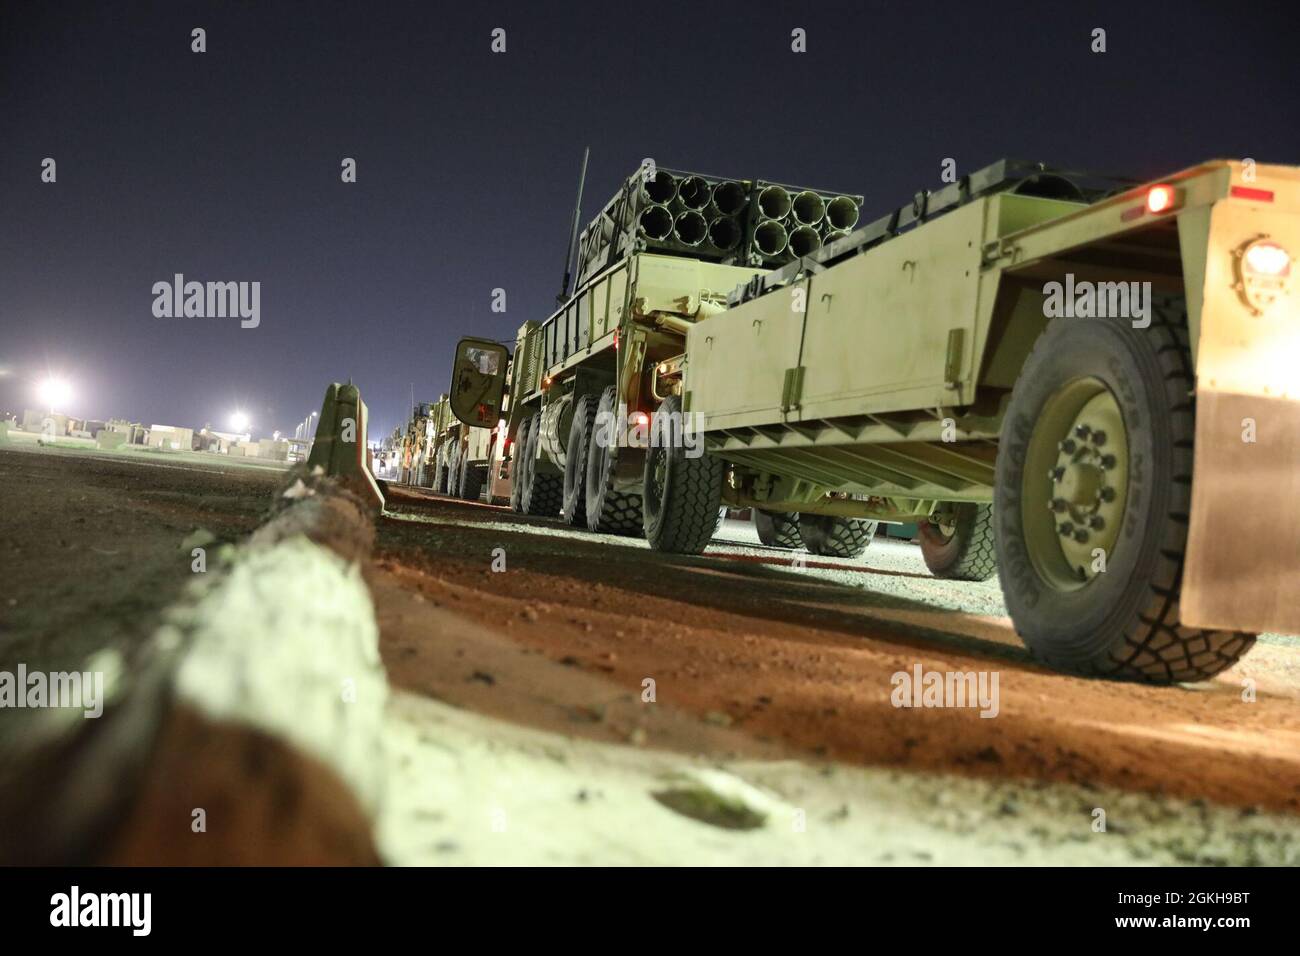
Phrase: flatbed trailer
(980, 373)
(1080, 383)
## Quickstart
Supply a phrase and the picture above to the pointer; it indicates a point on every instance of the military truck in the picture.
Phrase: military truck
(661, 255)
(435, 425)
(414, 467)
(1074, 381)
(446, 431)
(468, 461)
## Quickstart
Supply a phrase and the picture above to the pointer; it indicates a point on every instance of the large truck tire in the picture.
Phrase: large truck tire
(440, 472)
(472, 478)
(575, 462)
(962, 551)
(608, 511)
(1098, 438)
(682, 494)
(777, 529)
(544, 490)
(453, 473)
(518, 472)
(832, 536)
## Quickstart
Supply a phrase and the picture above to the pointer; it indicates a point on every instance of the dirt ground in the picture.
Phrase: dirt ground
(91, 546)
(522, 655)
(796, 660)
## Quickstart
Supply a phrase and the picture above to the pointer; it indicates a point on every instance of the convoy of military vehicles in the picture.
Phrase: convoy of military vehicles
(435, 450)
(1030, 364)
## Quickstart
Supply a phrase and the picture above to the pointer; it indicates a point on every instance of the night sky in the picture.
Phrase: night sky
(225, 165)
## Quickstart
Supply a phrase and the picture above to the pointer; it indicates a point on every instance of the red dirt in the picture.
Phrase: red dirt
(805, 664)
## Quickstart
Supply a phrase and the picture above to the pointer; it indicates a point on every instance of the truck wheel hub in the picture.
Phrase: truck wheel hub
(1081, 438)
(658, 474)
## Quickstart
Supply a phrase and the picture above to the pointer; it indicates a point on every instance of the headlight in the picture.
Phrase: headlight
(1266, 258)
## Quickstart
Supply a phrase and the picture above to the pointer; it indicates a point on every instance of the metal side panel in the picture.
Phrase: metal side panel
(892, 329)
(675, 284)
(1242, 567)
(910, 470)
(480, 444)
(740, 361)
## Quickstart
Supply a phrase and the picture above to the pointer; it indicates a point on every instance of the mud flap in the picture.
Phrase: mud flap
(1242, 569)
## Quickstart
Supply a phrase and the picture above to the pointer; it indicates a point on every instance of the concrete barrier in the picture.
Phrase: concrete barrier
(249, 729)
(340, 449)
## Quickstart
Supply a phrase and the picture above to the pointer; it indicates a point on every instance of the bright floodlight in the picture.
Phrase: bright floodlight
(239, 422)
(54, 392)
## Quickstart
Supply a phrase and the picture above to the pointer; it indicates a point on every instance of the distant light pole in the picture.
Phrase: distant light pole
(54, 392)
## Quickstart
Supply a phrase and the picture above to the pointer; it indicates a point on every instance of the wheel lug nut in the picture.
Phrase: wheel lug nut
(1081, 536)
(1107, 494)
(1057, 473)
(1068, 446)
(1058, 505)
(1108, 462)
(1099, 438)
(1065, 529)
(1097, 522)
(1082, 431)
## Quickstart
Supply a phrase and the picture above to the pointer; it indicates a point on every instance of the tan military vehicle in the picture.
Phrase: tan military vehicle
(469, 461)
(1070, 380)
(661, 254)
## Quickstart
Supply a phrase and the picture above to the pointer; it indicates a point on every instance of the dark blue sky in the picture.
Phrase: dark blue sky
(225, 165)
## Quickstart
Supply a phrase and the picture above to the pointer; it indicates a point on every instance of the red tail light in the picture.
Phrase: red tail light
(639, 419)
(1245, 192)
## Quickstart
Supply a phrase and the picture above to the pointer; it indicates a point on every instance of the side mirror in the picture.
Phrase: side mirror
(478, 382)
